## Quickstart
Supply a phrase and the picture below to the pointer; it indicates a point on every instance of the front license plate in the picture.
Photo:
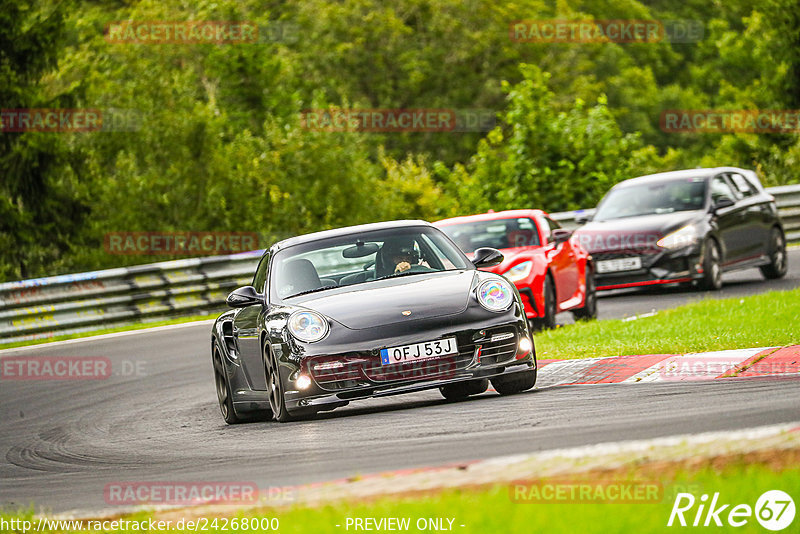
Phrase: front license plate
(621, 264)
(419, 351)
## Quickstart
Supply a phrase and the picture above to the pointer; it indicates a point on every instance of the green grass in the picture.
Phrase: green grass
(492, 510)
(768, 319)
(99, 331)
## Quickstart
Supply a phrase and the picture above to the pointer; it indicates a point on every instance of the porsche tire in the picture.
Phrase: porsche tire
(462, 390)
(515, 383)
(224, 395)
(275, 387)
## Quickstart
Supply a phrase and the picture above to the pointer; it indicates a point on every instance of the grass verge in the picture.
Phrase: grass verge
(495, 510)
(768, 319)
(525, 507)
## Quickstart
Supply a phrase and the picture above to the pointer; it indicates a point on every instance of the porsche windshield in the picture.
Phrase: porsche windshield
(653, 199)
(361, 258)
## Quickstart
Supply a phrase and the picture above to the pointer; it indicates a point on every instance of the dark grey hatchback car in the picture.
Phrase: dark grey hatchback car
(684, 227)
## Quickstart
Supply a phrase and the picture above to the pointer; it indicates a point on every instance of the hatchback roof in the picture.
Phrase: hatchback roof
(679, 175)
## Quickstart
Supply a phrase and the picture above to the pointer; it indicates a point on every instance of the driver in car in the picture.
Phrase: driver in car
(401, 253)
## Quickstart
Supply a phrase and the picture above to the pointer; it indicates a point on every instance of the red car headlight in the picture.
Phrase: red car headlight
(519, 271)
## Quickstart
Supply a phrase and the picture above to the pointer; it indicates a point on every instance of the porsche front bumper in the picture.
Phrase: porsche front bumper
(340, 377)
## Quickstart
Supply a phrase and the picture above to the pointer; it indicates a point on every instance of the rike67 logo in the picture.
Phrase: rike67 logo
(774, 510)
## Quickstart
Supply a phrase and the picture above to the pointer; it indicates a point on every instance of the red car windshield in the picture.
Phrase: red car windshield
(498, 233)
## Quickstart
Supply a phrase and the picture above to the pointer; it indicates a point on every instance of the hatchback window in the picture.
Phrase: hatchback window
(652, 199)
(742, 185)
(721, 189)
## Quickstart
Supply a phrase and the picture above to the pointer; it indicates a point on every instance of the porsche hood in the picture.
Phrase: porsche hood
(383, 302)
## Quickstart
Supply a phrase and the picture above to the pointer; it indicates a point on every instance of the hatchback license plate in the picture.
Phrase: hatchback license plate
(419, 351)
(621, 264)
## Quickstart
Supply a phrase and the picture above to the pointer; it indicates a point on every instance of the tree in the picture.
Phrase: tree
(42, 206)
(543, 157)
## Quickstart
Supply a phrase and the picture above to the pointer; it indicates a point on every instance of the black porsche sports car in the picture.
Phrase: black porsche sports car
(684, 227)
(368, 311)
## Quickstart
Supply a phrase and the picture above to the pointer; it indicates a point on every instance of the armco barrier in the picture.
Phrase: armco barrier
(45, 307)
(74, 303)
(788, 199)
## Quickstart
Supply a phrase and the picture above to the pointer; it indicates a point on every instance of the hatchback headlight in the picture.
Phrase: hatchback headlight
(519, 271)
(688, 235)
(308, 326)
(495, 295)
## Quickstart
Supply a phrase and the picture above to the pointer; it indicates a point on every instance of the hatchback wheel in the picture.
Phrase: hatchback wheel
(777, 267)
(712, 266)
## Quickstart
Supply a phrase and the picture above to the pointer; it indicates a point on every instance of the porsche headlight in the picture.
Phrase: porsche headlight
(495, 295)
(688, 235)
(308, 326)
(519, 271)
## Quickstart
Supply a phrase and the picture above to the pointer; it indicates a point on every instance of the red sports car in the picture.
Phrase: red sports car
(552, 271)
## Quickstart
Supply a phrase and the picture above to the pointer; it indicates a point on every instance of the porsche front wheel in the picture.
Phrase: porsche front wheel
(274, 386)
(462, 390)
(223, 388)
(515, 383)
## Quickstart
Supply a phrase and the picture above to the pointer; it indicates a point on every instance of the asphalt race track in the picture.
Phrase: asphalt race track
(156, 418)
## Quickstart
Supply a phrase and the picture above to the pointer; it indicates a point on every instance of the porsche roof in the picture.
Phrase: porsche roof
(347, 230)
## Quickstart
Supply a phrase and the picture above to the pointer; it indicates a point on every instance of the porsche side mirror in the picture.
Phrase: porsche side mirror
(722, 203)
(243, 296)
(486, 257)
(559, 235)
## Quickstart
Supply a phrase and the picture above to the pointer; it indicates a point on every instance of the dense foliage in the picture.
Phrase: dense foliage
(218, 143)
